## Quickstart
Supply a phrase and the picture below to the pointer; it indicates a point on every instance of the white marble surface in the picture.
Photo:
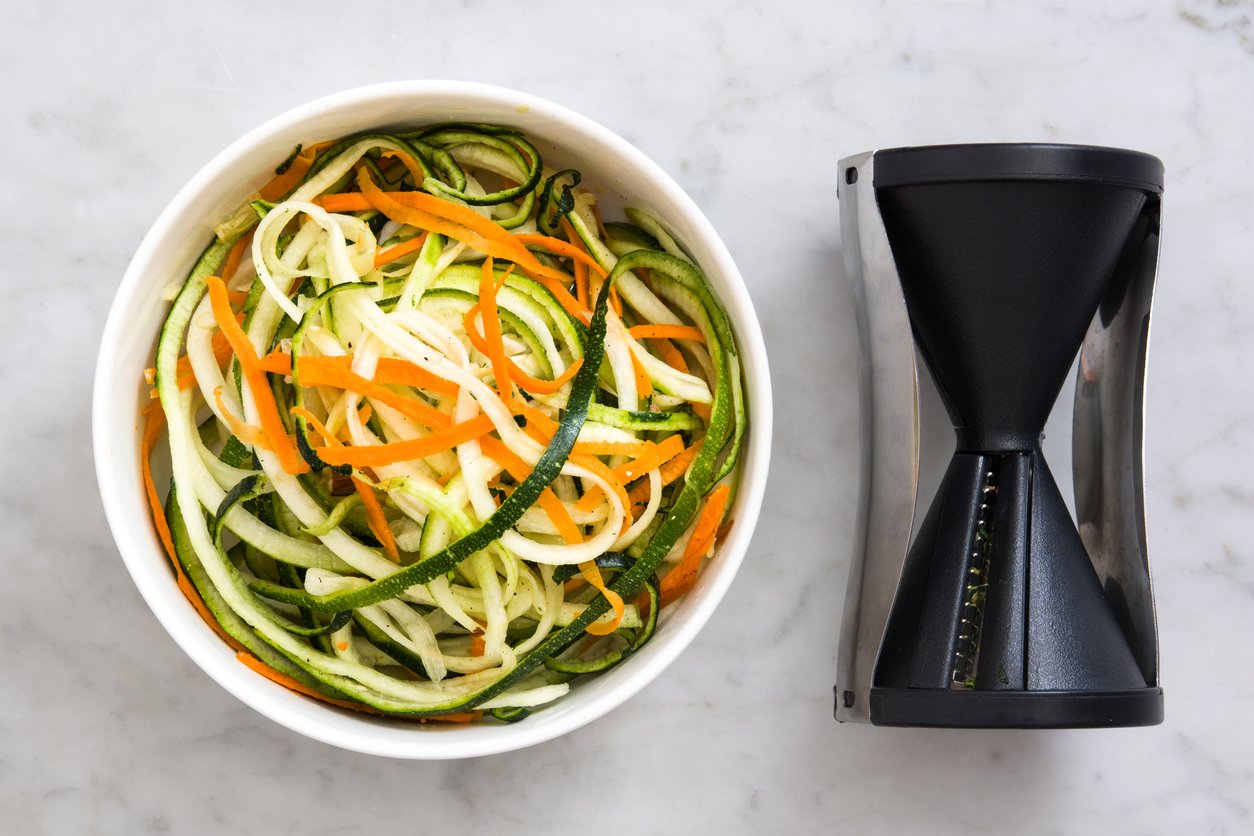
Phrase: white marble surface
(105, 726)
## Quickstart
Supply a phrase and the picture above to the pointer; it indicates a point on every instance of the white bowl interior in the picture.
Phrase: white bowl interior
(614, 168)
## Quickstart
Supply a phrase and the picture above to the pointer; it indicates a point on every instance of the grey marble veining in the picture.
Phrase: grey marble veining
(108, 108)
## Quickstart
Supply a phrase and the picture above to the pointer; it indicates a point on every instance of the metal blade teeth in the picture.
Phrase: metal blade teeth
(967, 656)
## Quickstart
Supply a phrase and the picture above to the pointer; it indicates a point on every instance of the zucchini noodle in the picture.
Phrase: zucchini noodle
(441, 441)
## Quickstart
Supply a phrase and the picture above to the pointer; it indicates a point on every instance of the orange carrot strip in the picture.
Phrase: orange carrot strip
(649, 459)
(590, 500)
(491, 320)
(597, 467)
(654, 457)
(541, 427)
(154, 423)
(559, 247)
(612, 448)
(672, 332)
(339, 377)
(343, 202)
(703, 411)
(319, 427)
(391, 166)
(556, 283)
(519, 470)
(582, 282)
(596, 213)
(462, 223)
(478, 646)
(296, 171)
(569, 303)
(458, 222)
(477, 339)
(535, 419)
(592, 575)
(639, 497)
(186, 380)
(549, 503)
(670, 355)
(524, 380)
(644, 386)
(456, 717)
(276, 362)
(681, 578)
(242, 430)
(539, 386)
(615, 302)
(233, 258)
(404, 373)
(390, 370)
(505, 457)
(678, 466)
(561, 518)
(221, 353)
(670, 471)
(378, 522)
(401, 250)
(299, 687)
(417, 448)
(411, 165)
(268, 410)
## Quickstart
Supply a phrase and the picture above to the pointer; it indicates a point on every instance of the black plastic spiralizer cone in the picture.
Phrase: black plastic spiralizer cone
(1004, 254)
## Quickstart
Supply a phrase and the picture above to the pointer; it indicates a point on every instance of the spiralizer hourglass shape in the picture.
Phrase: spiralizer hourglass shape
(1007, 259)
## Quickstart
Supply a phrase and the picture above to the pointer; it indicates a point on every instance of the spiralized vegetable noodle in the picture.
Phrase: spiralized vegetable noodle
(442, 441)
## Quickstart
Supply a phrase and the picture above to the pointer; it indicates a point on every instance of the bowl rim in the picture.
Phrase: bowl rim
(136, 543)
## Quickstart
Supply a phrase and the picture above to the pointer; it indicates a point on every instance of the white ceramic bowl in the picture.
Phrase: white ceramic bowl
(610, 164)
